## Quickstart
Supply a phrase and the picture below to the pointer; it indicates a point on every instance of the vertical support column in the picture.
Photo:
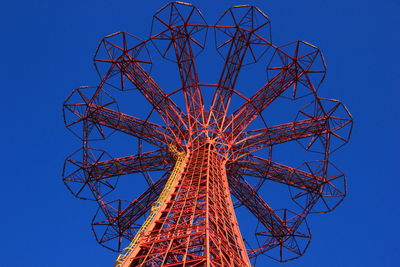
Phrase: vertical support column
(196, 226)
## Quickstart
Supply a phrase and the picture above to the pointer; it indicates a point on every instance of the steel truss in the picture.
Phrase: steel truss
(206, 153)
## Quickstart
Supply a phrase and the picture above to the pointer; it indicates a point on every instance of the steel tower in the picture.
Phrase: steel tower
(188, 217)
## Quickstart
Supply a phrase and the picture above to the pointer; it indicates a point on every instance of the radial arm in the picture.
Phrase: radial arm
(168, 110)
(181, 40)
(282, 233)
(269, 136)
(239, 44)
(150, 132)
(142, 204)
(256, 205)
(246, 113)
(149, 161)
(125, 219)
(181, 37)
(266, 169)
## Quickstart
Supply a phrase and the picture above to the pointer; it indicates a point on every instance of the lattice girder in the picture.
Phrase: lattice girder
(282, 232)
(241, 37)
(192, 224)
(185, 30)
(209, 148)
(143, 162)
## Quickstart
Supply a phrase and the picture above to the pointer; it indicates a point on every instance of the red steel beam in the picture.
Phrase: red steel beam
(120, 222)
(143, 162)
(239, 44)
(246, 194)
(150, 132)
(246, 113)
(158, 98)
(187, 69)
(266, 169)
(196, 225)
(269, 136)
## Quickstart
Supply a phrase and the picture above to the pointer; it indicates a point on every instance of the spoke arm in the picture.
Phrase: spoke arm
(181, 40)
(284, 231)
(143, 162)
(266, 169)
(246, 113)
(239, 44)
(142, 204)
(168, 110)
(150, 132)
(269, 136)
(183, 31)
(256, 205)
(127, 217)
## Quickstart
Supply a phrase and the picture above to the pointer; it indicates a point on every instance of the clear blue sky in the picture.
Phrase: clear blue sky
(46, 51)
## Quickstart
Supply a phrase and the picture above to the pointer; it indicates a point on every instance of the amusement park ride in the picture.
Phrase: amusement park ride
(207, 149)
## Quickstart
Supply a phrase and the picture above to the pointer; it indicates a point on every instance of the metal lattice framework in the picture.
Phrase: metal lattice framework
(186, 217)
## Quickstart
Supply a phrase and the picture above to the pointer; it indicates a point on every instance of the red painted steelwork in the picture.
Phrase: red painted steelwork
(192, 220)
(197, 225)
